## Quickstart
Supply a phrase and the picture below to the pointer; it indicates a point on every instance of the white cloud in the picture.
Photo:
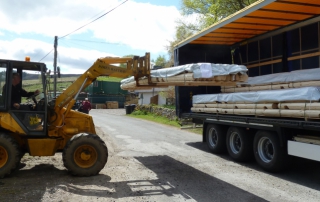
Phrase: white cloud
(140, 26)
(73, 61)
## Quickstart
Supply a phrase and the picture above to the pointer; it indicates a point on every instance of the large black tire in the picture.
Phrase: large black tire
(268, 152)
(85, 155)
(239, 144)
(216, 138)
(9, 155)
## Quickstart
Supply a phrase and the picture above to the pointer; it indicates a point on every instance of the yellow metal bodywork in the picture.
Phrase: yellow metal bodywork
(75, 123)
(136, 66)
(7, 122)
(3, 156)
(65, 123)
(43, 147)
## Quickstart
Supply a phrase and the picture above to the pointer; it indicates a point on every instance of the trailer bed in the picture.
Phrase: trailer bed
(254, 121)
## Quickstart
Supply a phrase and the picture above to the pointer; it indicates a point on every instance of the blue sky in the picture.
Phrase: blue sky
(135, 27)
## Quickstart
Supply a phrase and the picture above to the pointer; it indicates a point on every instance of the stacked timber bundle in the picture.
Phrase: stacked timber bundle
(199, 74)
(293, 103)
(294, 79)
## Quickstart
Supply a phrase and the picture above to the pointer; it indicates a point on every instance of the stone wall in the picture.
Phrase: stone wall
(160, 111)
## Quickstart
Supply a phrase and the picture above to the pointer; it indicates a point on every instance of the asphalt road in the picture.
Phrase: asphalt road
(153, 162)
(175, 165)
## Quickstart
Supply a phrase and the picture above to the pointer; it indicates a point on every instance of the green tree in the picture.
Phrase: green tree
(211, 11)
(123, 65)
(161, 61)
(183, 31)
(208, 12)
(168, 93)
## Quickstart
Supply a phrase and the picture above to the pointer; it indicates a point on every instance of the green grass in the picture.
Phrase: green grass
(111, 79)
(155, 118)
(169, 106)
(162, 120)
(62, 83)
(195, 130)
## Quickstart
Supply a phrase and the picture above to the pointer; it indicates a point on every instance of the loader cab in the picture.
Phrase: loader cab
(31, 115)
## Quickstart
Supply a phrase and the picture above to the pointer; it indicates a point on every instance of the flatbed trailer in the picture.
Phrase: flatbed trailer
(272, 141)
(267, 38)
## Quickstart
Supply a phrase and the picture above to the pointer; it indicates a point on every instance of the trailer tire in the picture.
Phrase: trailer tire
(268, 152)
(85, 155)
(239, 144)
(9, 155)
(216, 138)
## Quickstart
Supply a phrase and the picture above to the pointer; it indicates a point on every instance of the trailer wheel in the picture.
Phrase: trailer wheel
(85, 155)
(268, 152)
(216, 138)
(9, 155)
(239, 144)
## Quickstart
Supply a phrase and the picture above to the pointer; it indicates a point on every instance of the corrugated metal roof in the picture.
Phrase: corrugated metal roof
(261, 17)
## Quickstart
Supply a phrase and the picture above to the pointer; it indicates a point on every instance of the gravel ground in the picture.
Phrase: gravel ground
(153, 162)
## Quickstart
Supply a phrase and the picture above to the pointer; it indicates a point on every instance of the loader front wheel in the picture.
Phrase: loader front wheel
(85, 155)
(9, 155)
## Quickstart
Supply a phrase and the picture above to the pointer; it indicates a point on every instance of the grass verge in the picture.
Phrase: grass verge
(162, 120)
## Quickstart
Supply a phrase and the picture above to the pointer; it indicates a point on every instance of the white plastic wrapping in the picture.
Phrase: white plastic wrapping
(285, 77)
(199, 70)
(295, 94)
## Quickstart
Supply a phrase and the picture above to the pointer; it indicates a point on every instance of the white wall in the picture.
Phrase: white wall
(147, 96)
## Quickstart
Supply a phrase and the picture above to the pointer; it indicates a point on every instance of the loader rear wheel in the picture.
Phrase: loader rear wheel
(85, 155)
(9, 155)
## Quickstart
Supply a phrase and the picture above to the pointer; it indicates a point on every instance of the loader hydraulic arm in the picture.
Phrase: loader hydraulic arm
(135, 66)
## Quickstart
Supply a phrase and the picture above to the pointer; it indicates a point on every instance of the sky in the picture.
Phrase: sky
(130, 27)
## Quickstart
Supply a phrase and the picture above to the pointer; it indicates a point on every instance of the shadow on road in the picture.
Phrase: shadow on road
(301, 171)
(174, 179)
(191, 183)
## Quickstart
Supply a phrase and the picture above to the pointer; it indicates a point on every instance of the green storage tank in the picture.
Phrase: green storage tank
(104, 91)
(106, 87)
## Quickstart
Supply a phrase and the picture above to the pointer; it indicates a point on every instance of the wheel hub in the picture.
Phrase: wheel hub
(3, 156)
(268, 148)
(213, 138)
(85, 156)
(265, 149)
(235, 142)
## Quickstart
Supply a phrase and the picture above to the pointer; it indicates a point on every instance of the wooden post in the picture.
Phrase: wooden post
(55, 66)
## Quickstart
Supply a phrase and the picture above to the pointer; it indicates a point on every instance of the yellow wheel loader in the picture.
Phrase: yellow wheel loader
(44, 125)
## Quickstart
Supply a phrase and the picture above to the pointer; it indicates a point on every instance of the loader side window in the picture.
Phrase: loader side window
(2, 82)
(31, 112)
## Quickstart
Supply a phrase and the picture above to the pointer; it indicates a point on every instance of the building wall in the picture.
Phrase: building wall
(146, 95)
(145, 98)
